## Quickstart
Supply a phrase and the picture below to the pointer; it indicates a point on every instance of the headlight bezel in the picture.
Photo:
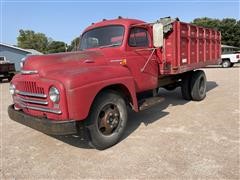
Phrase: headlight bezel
(54, 94)
(22, 62)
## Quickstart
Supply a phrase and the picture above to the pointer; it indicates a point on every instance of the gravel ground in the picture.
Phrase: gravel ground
(176, 139)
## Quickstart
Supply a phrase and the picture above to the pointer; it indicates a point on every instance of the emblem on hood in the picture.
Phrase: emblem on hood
(29, 72)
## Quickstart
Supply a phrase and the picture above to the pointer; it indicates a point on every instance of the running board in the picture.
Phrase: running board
(149, 102)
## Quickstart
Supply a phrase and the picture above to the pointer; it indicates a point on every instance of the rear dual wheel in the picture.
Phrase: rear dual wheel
(194, 86)
(186, 86)
(198, 85)
(171, 87)
(107, 120)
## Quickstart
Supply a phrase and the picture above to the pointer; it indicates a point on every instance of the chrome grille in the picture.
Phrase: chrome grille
(37, 108)
(31, 87)
(32, 101)
(23, 93)
(30, 96)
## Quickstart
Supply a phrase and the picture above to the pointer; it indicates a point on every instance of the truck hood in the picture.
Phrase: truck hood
(76, 69)
(59, 62)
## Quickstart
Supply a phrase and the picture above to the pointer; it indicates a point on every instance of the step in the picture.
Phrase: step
(149, 102)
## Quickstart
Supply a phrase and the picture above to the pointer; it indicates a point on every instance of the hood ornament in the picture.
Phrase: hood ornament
(29, 72)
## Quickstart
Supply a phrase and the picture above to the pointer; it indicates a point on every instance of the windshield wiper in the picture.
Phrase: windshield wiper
(110, 45)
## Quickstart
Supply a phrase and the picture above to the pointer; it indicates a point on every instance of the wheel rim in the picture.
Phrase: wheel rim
(225, 64)
(108, 119)
(202, 86)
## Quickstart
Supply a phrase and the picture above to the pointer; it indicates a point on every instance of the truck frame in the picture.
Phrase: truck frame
(119, 61)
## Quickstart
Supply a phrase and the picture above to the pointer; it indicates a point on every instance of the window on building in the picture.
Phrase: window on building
(2, 58)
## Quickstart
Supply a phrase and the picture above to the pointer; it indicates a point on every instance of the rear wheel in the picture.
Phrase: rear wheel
(198, 85)
(107, 120)
(170, 87)
(226, 63)
(186, 86)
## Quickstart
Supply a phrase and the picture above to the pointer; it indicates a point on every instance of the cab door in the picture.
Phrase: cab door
(142, 59)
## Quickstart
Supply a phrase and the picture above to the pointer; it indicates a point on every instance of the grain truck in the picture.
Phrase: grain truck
(117, 61)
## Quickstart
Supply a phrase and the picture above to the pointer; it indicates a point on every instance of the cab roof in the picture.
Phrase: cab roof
(119, 21)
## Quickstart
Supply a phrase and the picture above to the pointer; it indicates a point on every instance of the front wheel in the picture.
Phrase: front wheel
(107, 120)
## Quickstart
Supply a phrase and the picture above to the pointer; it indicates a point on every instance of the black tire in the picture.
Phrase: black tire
(226, 63)
(106, 129)
(198, 85)
(186, 86)
(170, 87)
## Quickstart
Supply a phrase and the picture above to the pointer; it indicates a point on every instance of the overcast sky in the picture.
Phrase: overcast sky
(65, 20)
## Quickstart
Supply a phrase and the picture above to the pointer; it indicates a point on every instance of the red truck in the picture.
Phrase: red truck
(118, 61)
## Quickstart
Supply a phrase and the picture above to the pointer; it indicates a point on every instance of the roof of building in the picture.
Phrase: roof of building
(31, 51)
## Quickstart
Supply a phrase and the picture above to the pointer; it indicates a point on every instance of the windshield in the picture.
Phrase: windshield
(102, 37)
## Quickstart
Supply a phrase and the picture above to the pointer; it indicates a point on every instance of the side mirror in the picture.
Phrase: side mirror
(158, 35)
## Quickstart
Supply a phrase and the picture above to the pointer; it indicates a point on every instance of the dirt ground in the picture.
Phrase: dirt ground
(176, 139)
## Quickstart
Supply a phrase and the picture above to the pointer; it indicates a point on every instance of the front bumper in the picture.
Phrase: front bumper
(43, 124)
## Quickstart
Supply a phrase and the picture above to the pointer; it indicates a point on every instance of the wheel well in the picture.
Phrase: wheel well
(121, 90)
(225, 59)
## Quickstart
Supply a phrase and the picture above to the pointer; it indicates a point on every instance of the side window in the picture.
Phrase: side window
(138, 37)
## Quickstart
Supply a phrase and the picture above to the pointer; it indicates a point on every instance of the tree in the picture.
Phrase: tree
(56, 46)
(229, 27)
(28, 39)
(74, 44)
(207, 22)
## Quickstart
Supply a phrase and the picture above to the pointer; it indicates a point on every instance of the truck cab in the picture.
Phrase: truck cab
(117, 61)
(120, 42)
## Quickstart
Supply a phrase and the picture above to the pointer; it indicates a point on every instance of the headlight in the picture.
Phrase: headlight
(54, 94)
(12, 89)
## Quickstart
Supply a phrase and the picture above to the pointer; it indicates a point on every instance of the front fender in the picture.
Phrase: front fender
(83, 88)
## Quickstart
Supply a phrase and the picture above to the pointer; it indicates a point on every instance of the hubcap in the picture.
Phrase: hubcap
(108, 119)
